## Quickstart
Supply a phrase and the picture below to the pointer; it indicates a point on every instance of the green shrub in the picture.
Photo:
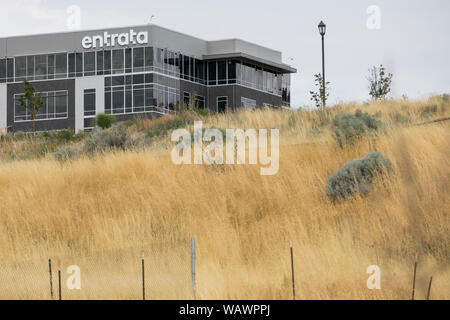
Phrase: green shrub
(349, 128)
(117, 137)
(203, 112)
(66, 152)
(64, 135)
(356, 176)
(104, 121)
(166, 126)
(446, 97)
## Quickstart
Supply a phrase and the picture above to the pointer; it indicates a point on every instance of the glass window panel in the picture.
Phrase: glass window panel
(51, 66)
(51, 104)
(186, 67)
(148, 97)
(71, 65)
(138, 99)
(20, 68)
(222, 104)
(129, 101)
(89, 63)
(61, 104)
(61, 65)
(2, 70)
(107, 101)
(128, 60)
(138, 59)
(118, 61)
(148, 58)
(30, 67)
(222, 72)
(20, 113)
(89, 102)
(118, 81)
(212, 73)
(40, 67)
(107, 62)
(138, 79)
(79, 64)
(118, 101)
(100, 63)
(231, 71)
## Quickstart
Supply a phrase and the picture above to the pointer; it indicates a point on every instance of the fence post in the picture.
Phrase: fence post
(51, 280)
(292, 269)
(414, 281)
(193, 266)
(143, 277)
(59, 284)
(429, 288)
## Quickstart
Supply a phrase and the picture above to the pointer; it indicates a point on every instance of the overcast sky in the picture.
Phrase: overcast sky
(412, 41)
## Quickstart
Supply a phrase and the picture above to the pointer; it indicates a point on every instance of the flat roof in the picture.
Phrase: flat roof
(70, 41)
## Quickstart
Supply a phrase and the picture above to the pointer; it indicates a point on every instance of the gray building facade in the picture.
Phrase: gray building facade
(134, 70)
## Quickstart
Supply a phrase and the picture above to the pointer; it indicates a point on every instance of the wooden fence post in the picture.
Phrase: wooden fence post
(414, 281)
(143, 277)
(193, 266)
(51, 280)
(59, 284)
(292, 269)
(429, 288)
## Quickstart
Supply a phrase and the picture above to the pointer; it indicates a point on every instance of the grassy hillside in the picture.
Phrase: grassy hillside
(101, 211)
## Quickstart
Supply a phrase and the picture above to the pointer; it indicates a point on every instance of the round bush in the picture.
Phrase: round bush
(104, 121)
(356, 176)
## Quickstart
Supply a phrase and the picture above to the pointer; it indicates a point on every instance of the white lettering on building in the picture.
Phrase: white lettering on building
(111, 40)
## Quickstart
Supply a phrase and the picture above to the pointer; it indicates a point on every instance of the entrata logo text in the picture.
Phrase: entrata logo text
(111, 40)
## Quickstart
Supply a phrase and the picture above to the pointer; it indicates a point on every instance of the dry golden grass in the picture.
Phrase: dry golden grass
(101, 213)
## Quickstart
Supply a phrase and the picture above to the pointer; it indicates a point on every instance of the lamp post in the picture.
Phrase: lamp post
(322, 29)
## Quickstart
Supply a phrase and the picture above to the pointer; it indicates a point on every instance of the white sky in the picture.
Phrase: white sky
(413, 42)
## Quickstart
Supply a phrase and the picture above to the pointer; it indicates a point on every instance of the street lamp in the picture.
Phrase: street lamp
(322, 29)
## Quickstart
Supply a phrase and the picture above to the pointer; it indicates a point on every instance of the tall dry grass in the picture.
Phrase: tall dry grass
(101, 213)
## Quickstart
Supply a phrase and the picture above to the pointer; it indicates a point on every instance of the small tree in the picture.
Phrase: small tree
(320, 97)
(104, 121)
(31, 101)
(379, 82)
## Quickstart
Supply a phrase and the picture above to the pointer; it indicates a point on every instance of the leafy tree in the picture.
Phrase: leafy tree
(379, 82)
(31, 101)
(104, 121)
(320, 96)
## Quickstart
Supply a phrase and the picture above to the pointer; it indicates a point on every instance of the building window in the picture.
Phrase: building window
(20, 68)
(128, 60)
(10, 69)
(100, 62)
(222, 104)
(139, 94)
(138, 60)
(118, 63)
(231, 72)
(107, 62)
(248, 103)
(55, 106)
(212, 73)
(30, 68)
(186, 100)
(199, 102)
(222, 72)
(2, 70)
(89, 64)
(78, 64)
(89, 102)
